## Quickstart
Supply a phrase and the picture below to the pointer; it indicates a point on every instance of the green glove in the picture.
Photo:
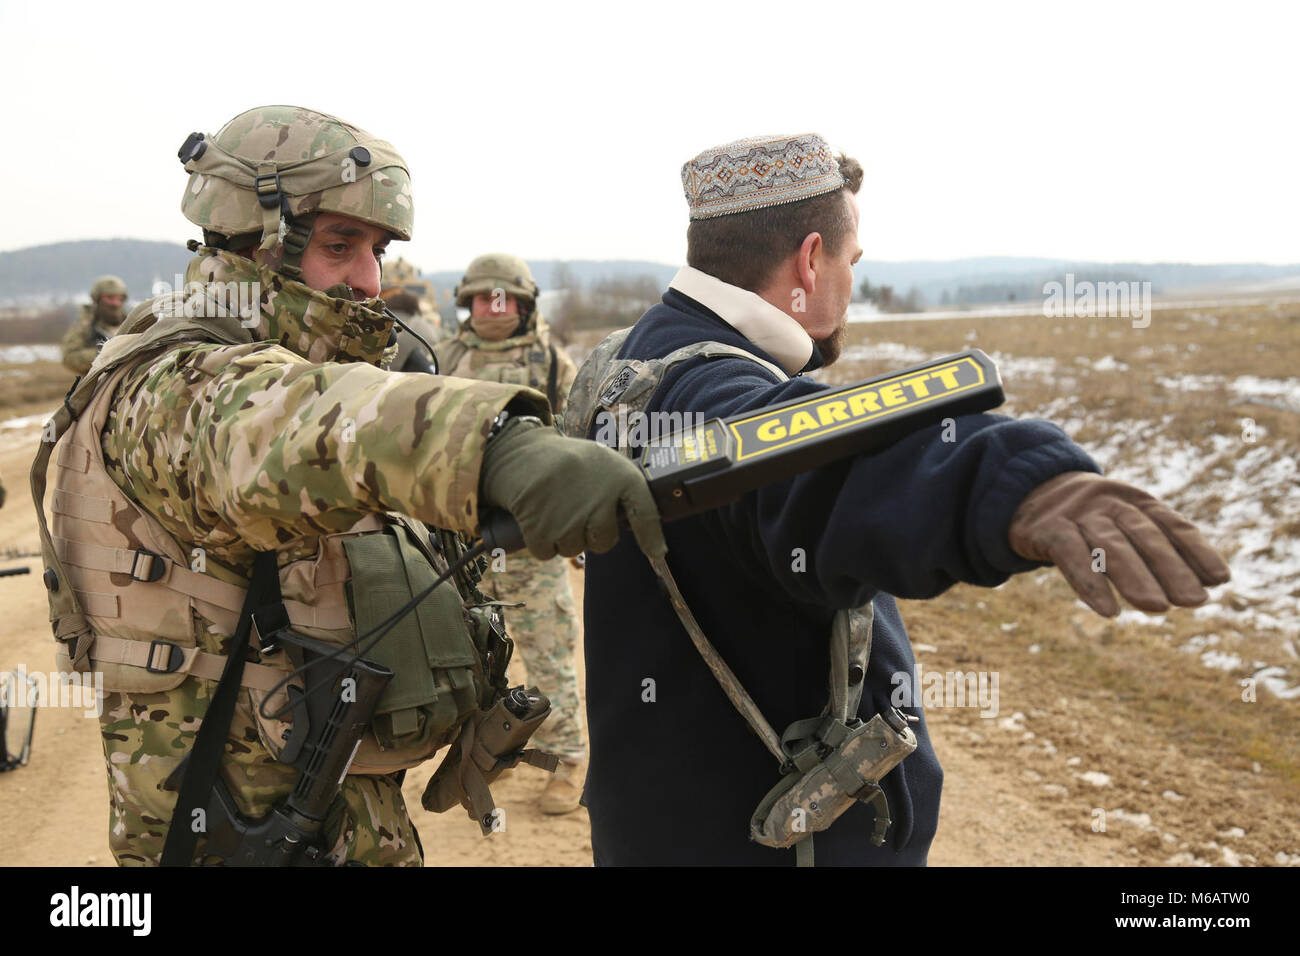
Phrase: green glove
(565, 493)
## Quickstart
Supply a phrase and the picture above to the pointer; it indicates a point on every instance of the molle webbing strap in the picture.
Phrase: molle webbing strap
(67, 617)
(168, 657)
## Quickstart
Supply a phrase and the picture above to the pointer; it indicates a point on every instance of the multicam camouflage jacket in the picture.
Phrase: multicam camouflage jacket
(84, 339)
(530, 359)
(298, 433)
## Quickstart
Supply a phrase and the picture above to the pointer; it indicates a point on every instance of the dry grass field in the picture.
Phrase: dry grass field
(1190, 716)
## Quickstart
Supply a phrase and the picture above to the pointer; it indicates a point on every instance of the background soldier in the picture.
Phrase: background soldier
(250, 418)
(506, 339)
(97, 321)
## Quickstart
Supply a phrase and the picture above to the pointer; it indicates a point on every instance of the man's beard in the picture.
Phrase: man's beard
(109, 314)
(831, 346)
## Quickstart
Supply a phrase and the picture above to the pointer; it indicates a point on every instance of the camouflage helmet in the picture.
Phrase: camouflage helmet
(288, 161)
(107, 285)
(497, 271)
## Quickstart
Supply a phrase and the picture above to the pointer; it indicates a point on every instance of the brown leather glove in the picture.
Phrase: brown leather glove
(1154, 556)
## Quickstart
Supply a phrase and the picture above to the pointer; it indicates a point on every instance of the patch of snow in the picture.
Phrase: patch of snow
(1096, 778)
(1027, 366)
(893, 352)
(1140, 617)
(1140, 820)
(26, 421)
(1015, 722)
(1221, 661)
(1275, 684)
(16, 354)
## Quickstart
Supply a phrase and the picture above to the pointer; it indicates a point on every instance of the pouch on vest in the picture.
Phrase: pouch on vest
(490, 743)
(437, 680)
(835, 763)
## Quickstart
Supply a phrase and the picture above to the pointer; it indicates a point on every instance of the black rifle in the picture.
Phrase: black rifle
(327, 729)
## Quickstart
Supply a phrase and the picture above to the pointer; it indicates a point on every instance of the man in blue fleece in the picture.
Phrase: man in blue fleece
(675, 771)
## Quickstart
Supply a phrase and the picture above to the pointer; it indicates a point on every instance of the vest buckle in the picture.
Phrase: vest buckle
(154, 567)
(175, 657)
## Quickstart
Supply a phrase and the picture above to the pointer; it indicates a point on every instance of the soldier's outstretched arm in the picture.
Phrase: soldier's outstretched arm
(271, 447)
(284, 448)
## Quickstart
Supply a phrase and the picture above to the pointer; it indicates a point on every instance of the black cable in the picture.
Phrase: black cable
(418, 337)
(383, 627)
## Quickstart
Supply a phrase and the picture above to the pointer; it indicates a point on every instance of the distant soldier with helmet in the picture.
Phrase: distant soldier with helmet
(506, 339)
(96, 323)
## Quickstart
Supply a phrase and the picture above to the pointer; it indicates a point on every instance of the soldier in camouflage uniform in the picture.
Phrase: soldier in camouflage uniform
(96, 323)
(271, 428)
(506, 339)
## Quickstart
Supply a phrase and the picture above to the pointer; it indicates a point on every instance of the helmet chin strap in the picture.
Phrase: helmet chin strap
(279, 224)
(296, 232)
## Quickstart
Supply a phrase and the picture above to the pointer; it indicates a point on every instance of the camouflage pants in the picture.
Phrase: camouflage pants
(147, 735)
(546, 633)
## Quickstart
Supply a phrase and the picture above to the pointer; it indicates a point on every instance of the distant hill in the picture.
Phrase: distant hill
(1002, 278)
(553, 274)
(65, 270)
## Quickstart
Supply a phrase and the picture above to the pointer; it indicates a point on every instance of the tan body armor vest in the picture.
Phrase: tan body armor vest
(128, 600)
(529, 359)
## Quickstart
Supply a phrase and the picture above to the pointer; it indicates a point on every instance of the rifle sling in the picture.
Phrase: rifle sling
(204, 759)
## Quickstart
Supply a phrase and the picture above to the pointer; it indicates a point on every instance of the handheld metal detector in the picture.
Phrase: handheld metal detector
(720, 461)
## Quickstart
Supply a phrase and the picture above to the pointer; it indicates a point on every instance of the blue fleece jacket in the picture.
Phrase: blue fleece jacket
(675, 771)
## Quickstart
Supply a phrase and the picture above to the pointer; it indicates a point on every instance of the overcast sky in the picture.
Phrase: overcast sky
(1087, 130)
